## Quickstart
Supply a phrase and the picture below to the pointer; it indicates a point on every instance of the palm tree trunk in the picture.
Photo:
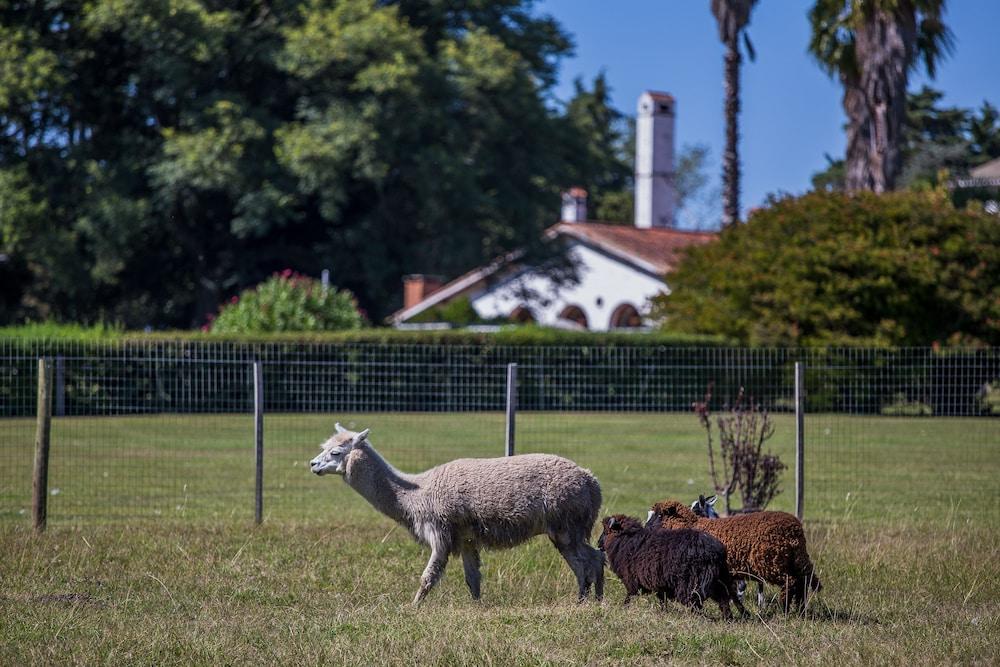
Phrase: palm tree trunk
(731, 156)
(884, 46)
(857, 171)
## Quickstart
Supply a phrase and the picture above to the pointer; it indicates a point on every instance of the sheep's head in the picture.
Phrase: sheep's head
(333, 458)
(615, 525)
(705, 507)
(670, 514)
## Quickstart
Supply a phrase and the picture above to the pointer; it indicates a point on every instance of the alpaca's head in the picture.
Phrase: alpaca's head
(670, 514)
(333, 458)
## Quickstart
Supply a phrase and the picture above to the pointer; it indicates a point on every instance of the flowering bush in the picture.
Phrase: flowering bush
(288, 301)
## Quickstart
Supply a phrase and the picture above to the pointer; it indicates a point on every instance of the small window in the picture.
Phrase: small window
(574, 314)
(522, 315)
(626, 316)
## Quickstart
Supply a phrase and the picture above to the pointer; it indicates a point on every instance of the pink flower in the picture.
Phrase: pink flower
(287, 273)
(234, 300)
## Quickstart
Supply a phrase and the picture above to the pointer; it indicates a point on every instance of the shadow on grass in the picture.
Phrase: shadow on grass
(821, 613)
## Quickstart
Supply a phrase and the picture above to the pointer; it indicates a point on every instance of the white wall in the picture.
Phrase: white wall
(605, 283)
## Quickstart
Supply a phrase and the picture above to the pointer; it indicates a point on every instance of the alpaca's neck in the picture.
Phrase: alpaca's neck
(388, 490)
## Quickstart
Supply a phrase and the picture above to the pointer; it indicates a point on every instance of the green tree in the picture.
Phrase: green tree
(177, 151)
(733, 16)
(903, 268)
(604, 159)
(872, 47)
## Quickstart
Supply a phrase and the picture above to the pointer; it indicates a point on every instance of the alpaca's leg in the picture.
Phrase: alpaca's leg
(592, 564)
(760, 594)
(598, 569)
(578, 560)
(470, 561)
(433, 571)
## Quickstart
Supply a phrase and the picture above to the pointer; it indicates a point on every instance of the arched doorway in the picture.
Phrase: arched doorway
(574, 314)
(522, 315)
(626, 316)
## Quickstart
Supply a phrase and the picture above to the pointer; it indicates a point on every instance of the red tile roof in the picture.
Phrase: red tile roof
(656, 250)
(653, 250)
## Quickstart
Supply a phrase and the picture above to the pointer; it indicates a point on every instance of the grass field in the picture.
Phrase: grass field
(151, 557)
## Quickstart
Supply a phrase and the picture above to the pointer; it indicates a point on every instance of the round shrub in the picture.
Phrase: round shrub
(288, 301)
(898, 269)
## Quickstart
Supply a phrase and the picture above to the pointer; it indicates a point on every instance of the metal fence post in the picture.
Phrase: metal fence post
(511, 406)
(800, 410)
(43, 431)
(258, 435)
(59, 400)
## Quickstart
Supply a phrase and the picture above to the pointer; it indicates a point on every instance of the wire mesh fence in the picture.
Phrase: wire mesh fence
(165, 430)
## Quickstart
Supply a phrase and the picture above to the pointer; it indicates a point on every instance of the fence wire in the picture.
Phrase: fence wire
(164, 430)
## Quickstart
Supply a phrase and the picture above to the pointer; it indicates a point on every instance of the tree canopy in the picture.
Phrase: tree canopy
(904, 268)
(157, 156)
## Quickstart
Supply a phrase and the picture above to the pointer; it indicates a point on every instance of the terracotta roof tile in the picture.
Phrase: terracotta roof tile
(658, 249)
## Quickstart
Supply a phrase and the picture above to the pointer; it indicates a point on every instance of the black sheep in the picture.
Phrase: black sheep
(684, 565)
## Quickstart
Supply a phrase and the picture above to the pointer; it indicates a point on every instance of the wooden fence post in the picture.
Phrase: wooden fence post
(43, 429)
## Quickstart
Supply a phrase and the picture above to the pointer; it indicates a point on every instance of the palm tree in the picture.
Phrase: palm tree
(872, 46)
(732, 17)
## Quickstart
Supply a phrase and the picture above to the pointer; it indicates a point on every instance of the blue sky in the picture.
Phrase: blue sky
(791, 112)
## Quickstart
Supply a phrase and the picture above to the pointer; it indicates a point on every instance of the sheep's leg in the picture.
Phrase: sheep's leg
(470, 561)
(739, 607)
(662, 597)
(433, 571)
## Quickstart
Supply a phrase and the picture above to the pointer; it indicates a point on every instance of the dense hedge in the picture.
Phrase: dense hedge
(150, 374)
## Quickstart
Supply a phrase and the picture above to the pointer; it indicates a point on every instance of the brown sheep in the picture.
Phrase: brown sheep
(770, 546)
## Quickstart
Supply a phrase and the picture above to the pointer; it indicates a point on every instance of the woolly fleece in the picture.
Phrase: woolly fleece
(768, 545)
(684, 565)
(469, 504)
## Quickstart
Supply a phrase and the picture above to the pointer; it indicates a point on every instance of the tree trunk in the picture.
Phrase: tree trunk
(731, 156)
(876, 103)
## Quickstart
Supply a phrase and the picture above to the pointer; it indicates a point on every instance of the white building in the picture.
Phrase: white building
(619, 267)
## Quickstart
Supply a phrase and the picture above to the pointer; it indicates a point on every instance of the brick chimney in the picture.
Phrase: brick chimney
(417, 287)
(574, 205)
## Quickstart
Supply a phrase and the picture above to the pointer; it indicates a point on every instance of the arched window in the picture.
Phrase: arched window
(574, 314)
(625, 316)
(522, 315)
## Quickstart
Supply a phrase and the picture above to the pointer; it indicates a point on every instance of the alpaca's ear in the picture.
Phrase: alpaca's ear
(340, 429)
(711, 500)
(612, 522)
(361, 437)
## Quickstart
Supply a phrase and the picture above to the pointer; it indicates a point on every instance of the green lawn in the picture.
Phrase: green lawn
(151, 556)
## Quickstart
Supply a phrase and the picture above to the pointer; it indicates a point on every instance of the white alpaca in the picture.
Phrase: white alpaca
(469, 504)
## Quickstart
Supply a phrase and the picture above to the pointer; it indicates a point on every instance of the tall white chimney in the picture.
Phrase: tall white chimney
(654, 161)
(574, 205)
